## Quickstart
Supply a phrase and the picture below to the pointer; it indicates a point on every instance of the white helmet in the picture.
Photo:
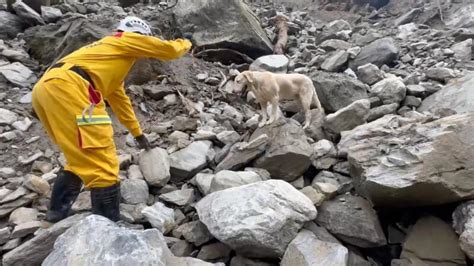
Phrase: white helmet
(134, 24)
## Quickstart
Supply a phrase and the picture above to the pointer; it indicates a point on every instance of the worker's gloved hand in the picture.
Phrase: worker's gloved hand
(143, 143)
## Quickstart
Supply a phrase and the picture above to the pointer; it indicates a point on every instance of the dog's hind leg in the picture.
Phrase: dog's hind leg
(306, 105)
(263, 110)
(275, 114)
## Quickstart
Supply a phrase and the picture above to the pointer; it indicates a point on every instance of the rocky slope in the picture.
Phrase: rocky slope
(385, 178)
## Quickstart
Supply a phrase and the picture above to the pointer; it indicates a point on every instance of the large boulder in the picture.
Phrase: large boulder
(99, 241)
(398, 161)
(348, 117)
(287, 154)
(389, 90)
(274, 63)
(353, 220)
(463, 223)
(242, 153)
(457, 95)
(155, 166)
(240, 217)
(462, 18)
(35, 250)
(189, 161)
(380, 52)
(223, 24)
(336, 91)
(431, 241)
(307, 249)
(227, 179)
(10, 25)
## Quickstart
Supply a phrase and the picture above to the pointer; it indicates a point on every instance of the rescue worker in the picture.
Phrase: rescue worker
(69, 101)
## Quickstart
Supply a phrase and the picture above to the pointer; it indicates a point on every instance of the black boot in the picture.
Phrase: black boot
(66, 188)
(106, 202)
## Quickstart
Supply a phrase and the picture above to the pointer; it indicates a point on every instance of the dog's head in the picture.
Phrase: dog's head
(243, 80)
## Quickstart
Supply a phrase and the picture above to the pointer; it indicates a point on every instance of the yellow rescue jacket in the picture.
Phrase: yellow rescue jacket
(108, 61)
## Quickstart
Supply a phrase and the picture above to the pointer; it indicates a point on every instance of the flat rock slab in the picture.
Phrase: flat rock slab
(189, 161)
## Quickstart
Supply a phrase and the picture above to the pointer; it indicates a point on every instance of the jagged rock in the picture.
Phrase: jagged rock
(6, 172)
(462, 18)
(195, 232)
(324, 154)
(155, 166)
(320, 232)
(18, 74)
(25, 229)
(242, 153)
(28, 14)
(134, 191)
(183, 123)
(11, 244)
(35, 250)
(179, 197)
(134, 172)
(432, 241)
(187, 162)
(160, 217)
(204, 181)
(287, 155)
(226, 179)
(182, 248)
(223, 212)
(237, 29)
(331, 183)
(5, 235)
(336, 91)
(442, 74)
(23, 215)
(463, 223)
(83, 202)
(412, 101)
(37, 184)
(334, 30)
(228, 137)
(335, 62)
(457, 95)
(314, 195)
(214, 251)
(348, 117)
(369, 74)
(241, 261)
(18, 193)
(334, 45)
(380, 111)
(306, 249)
(7, 117)
(81, 245)
(9, 204)
(430, 163)
(389, 90)
(408, 17)
(380, 52)
(158, 91)
(353, 220)
(463, 50)
(132, 213)
(50, 14)
(272, 63)
(10, 25)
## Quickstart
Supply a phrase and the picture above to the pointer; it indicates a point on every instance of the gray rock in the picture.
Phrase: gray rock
(10, 25)
(132, 213)
(380, 111)
(417, 91)
(50, 14)
(7, 206)
(11, 244)
(348, 117)
(204, 181)
(18, 193)
(412, 101)
(442, 74)
(228, 137)
(320, 232)
(334, 45)
(432, 241)
(158, 92)
(331, 183)
(183, 123)
(241, 261)
(335, 62)
(83, 202)
(389, 90)
(18, 74)
(314, 195)
(336, 91)
(187, 162)
(463, 50)
(463, 17)
(6, 172)
(287, 155)
(134, 191)
(214, 251)
(160, 217)
(138, 247)
(179, 197)
(224, 211)
(237, 29)
(35, 250)
(408, 17)
(306, 249)
(424, 168)
(5, 235)
(7, 117)
(324, 154)
(182, 248)
(155, 166)
(457, 95)
(272, 63)
(226, 179)
(23, 215)
(28, 14)
(334, 30)
(25, 229)
(352, 220)
(37, 184)
(369, 74)
(463, 223)
(195, 232)
(134, 172)
(243, 153)
(380, 52)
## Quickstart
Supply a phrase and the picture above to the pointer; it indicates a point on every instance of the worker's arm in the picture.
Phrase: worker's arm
(122, 107)
(138, 45)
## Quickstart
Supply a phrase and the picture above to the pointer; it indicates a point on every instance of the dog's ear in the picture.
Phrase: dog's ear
(248, 75)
